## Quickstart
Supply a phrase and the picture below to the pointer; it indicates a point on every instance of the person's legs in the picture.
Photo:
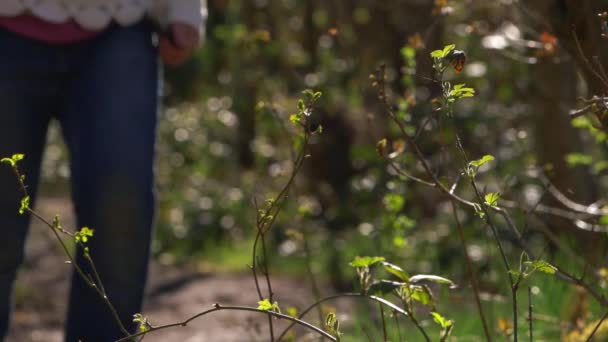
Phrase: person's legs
(110, 128)
(29, 84)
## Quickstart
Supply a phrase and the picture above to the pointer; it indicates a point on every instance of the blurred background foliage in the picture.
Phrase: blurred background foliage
(226, 141)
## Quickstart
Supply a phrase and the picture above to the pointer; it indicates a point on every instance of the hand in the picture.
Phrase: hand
(178, 44)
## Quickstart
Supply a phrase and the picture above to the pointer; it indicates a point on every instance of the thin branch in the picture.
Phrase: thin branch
(218, 307)
(419, 327)
(597, 326)
(343, 295)
(560, 274)
(384, 333)
(265, 223)
(311, 276)
(530, 307)
(398, 326)
(471, 274)
(97, 287)
(586, 61)
(567, 202)
(268, 286)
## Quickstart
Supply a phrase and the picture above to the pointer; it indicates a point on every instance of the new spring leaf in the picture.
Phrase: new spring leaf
(492, 198)
(483, 160)
(83, 235)
(266, 305)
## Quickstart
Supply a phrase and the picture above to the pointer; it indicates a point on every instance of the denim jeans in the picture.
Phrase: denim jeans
(104, 94)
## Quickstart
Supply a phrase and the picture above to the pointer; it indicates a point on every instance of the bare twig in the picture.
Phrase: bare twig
(586, 61)
(471, 274)
(265, 222)
(530, 320)
(384, 333)
(217, 307)
(396, 317)
(597, 326)
(343, 295)
(97, 286)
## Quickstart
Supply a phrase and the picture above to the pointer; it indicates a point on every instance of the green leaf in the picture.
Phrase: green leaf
(266, 305)
(483, 160)
(399, 241)
(515, 273)
(13, 160)
(403, 222)
(301, 105)
(8, 161)
(294, 118)
(142, 322)
(600, 166)
(421, 294)
(444, 323)
(396, 271)
(25, 205)
(437, 54)
(576, 159)
(332, 325)
(432, 278)
(447, 49)
(84, 234)
(408, 52)
(393, 202)
(365, 261)
(582, 122)
(308, 92)
(292, 311)
(492, 198)
(541, 266)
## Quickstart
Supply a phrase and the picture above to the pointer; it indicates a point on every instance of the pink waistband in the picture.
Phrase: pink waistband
(52, 33)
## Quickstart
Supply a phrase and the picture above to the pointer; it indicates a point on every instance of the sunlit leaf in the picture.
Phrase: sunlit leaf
(447, 49)
(542, 266)
(396, 271)
(266, 305)
(393, 202)
(437, 54)
(442, 321)
(483, 160)
(432, 278)
(365, 261)
(142, 322)
(403, 222)
(491, 198)
(25, 205)
(84, 234)
(422, 294)
(332, 325)
(575, 159)
(8, 161)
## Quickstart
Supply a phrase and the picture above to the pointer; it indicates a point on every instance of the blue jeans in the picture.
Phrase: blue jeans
(104, 94)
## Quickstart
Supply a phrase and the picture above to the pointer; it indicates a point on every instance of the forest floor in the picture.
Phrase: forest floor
(173, 294)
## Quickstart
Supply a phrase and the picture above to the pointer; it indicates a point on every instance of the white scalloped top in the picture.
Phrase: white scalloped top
(97, 14)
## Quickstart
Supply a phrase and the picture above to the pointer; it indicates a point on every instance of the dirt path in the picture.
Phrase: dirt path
(173, 294)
